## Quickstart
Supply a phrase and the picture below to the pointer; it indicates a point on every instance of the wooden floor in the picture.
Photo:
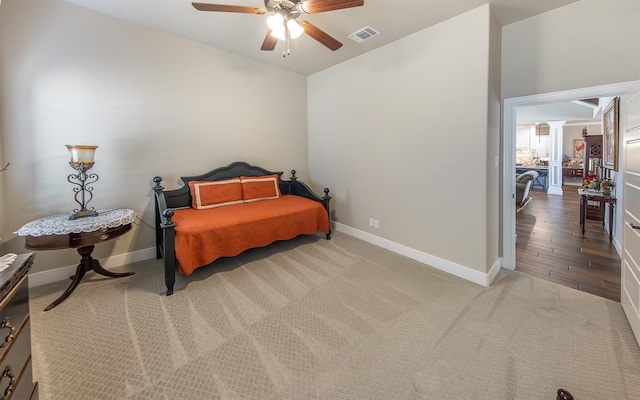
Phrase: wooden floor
(550, 245)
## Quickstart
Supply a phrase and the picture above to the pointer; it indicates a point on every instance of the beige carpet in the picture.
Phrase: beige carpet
(338, 319)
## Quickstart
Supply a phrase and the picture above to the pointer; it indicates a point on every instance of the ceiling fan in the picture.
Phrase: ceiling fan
(282, 24)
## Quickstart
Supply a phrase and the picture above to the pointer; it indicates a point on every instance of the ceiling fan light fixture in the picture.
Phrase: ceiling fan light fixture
(282, 19)
(279, 32)
(295, 30)
(275, 22)
(300, 8)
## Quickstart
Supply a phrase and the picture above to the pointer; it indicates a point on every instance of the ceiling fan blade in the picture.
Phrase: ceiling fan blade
(318, 6)
(320, 35)
(269, 42)
(227, 8)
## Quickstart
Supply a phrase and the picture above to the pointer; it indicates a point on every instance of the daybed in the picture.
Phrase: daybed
(229, 210)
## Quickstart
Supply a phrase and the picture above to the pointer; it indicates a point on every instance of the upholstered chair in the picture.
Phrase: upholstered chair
(523, 184)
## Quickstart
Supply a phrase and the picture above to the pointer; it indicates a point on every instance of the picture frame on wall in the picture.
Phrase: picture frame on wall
(610, 135)
(578, 149)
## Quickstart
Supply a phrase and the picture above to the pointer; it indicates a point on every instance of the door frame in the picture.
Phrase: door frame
(509, 114)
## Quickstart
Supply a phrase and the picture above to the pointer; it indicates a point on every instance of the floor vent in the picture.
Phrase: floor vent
(364, 34)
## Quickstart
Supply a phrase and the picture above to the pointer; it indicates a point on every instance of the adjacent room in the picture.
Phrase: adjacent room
(550, 245)
(398, 119)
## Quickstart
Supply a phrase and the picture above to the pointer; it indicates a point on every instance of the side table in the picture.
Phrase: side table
(593, 195)
(59, 232)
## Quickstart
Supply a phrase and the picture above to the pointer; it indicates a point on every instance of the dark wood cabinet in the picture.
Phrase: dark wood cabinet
(592, 154)
(592, 163)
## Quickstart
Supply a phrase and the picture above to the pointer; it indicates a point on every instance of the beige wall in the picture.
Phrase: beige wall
(584, 44)
(155, 104)
(401, 135)
(493, 141)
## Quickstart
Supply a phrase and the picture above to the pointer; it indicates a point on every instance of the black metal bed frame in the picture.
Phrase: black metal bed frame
(168, 200)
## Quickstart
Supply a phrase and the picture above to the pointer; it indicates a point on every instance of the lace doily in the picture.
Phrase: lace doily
(588, 191)
(593, 192)
(61, 224)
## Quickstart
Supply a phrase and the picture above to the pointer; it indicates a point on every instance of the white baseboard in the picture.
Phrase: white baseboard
(617, 246)
(63, 273)
(493, 272)
(461, 271)
(452, 268)
(554, 190)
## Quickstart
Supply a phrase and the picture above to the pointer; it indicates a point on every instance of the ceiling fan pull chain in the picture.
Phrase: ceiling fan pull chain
(287, 38)
(286, 42)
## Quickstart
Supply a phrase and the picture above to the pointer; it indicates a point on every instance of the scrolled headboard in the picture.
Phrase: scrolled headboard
(181, 197)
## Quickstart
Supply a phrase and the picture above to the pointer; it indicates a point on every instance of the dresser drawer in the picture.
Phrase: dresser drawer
(24, 387)
(16, 363)
(101, 235)
(15, 331)
(14, 309)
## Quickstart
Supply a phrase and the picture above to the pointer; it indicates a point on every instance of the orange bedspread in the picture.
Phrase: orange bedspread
(202, 236)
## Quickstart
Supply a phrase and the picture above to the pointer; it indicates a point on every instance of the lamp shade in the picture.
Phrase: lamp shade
(275, 22)
(81, 153)
(295, 30)
(279, 32)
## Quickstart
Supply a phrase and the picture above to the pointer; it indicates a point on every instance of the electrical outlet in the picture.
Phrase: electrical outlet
(371, 221)
(376, 223)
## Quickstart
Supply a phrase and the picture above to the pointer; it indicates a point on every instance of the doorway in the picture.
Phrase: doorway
(510, 111)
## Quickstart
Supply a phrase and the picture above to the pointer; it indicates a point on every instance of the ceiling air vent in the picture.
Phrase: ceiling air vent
(363, 34)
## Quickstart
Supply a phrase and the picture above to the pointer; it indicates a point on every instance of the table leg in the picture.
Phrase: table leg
(87, 263)
(75, 281)
(583, 212)
(97, 268)
(611, 206)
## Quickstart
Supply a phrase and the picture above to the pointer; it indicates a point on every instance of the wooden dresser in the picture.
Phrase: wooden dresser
(16, 378)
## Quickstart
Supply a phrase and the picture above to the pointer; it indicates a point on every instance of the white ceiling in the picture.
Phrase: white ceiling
(570, 111)
(243, 33)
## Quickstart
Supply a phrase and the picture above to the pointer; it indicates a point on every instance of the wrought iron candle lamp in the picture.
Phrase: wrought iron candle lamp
(82, 161)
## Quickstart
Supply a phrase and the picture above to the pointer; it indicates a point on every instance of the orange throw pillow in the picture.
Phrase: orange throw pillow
(255, 188)
(212, 194)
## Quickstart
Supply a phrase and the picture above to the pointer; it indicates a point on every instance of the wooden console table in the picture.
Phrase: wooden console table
(58, 232)
(593, 195)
